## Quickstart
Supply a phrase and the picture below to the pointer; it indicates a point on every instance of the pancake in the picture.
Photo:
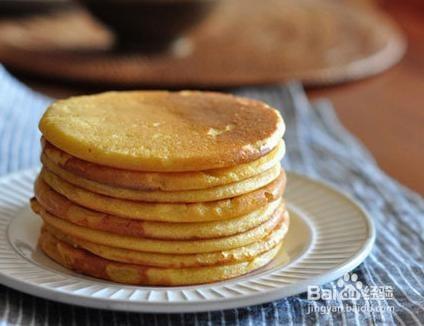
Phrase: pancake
(61, 207)
(185, 196)
(163, 131)
(84, 262)
(179, 261)
(170, 212)
(161, 181)
(165, 246)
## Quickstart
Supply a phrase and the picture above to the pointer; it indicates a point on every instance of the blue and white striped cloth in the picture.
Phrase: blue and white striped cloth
(317, 145)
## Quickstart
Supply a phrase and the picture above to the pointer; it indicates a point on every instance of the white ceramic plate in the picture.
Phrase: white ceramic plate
(329, 235)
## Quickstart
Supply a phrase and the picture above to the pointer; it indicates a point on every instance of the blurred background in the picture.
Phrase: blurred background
(366, 56)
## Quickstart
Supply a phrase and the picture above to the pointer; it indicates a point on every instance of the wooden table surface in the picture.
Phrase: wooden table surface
(385, 112)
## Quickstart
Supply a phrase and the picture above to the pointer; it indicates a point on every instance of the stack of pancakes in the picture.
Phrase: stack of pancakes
(161, 188)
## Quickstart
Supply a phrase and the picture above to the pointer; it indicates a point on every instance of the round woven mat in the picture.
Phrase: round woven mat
(242, 42)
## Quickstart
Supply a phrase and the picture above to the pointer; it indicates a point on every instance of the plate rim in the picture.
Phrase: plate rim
(207, 304)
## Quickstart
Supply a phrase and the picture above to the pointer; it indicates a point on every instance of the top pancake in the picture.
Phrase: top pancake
(163, 131)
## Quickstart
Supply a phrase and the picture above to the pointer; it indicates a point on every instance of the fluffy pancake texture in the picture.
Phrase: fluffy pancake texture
(87, 263)
(165, 246)
(183, 260)
(137, 130)
(185, 196)
(170, 212)
(61, 207)
(169, 181)
(161, 188)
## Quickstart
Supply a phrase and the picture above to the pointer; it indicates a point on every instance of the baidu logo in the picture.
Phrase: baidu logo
(350, 288)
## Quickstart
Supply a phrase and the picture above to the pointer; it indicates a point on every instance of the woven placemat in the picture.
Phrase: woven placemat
(242, 42)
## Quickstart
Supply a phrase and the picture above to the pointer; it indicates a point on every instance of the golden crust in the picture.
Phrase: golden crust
(158, 196)
(85, 262)
(60, 206)
(165, 246)
(178, 261)
(139, 180)
(163, 131)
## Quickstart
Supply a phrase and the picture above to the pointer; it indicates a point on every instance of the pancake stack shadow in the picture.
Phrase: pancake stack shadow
(161, 188)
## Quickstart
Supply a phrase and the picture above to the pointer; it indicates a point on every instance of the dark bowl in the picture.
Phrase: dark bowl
(18, 8)
(150, 25)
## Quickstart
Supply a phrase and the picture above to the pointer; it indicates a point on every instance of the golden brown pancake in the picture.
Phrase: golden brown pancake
(163, 131)
(61, 207)
(85, 262)
(158, 196)
(165, 246)
(178, 261)
(170, 212)
(161, 181)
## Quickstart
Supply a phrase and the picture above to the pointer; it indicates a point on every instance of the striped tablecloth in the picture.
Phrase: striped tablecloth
(317, 145)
